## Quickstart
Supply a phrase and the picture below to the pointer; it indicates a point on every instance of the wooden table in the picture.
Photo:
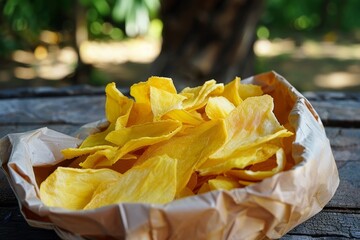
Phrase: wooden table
(65, 110)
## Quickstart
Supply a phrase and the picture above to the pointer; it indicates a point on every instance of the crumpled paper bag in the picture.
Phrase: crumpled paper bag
(268, 209)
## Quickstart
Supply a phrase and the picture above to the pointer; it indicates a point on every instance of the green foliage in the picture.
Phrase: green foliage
(115, 19)
(351, 17)
(136, 14)
(21, 21)
(284, 17)
(34, 15)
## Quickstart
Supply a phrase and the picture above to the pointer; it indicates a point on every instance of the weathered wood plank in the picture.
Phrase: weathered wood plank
(331, 224)
(345, 143)
(348, 192)
(304, 237)
(7, 196)
(336, 108)
(72, 110)
(13, 226)
(45, 91)
(328, 95)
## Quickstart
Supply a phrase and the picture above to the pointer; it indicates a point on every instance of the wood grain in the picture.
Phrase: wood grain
(345, 143)
(337, 109)
(328, 223)
(340, 113)
(13, 226)
(348, 193)
(70, 110)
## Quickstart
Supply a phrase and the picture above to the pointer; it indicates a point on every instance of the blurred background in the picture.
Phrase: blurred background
(315, 44)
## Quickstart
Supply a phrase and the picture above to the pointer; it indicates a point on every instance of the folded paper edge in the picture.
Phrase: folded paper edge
(236, 195)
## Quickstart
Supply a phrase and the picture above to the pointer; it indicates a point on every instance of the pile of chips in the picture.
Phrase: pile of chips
(163, 145)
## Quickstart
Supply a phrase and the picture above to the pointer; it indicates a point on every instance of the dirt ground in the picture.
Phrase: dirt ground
(315, 74)
(309, 67)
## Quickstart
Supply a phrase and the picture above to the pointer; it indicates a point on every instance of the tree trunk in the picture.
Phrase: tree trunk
(207, 39)
(82, 71)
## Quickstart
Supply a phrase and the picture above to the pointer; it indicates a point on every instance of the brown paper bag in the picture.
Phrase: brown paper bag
(268, 209)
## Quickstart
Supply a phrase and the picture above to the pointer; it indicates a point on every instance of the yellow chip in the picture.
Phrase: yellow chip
(140, 113)
(97, 139)
(186, 192)
(154, 181)
(223, 183)
(251, 123)
(196, 98)
(246, 183)
(70, 153)
(231, 92)
(190, 150)
(249, 90)
(249, 175)
(144, 134)
(101, 158)
(183, 116)
(162, 101)
(164, 145)
(141, 91)
(117, 105)
(130, 139)
(73, 188)
(239, 160)
(218, 107)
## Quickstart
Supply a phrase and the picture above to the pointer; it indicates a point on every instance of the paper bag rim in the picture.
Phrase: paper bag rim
(266, 209)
